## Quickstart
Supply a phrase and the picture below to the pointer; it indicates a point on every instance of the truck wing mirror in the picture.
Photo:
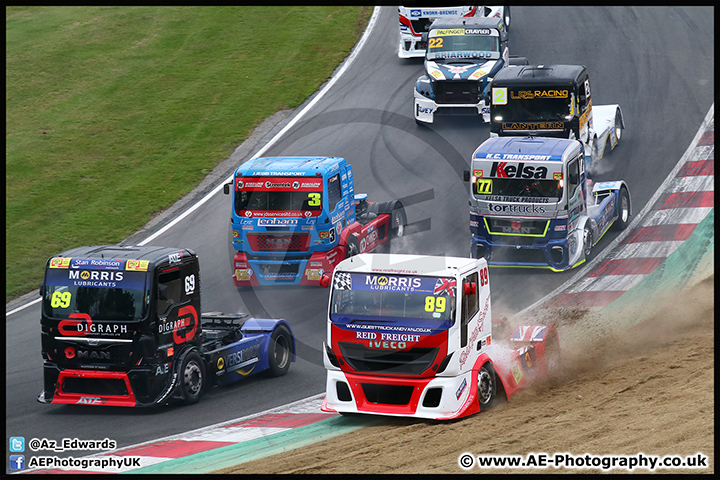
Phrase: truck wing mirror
(226, 188)
(424, 37)
(325, 280)
(469, 288)
(466, 175)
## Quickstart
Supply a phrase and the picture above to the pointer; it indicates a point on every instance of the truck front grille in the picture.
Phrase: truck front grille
(517, 227)
(94, 386)
(387, 394)
(290, 242)
(534, 256)
(421, 25)
(457, 92)
(406, 362)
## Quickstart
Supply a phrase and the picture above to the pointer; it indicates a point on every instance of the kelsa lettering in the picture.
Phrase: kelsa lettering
(503, 170)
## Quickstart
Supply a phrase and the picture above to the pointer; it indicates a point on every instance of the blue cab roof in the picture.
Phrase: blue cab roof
(525, 148)
(298, 166)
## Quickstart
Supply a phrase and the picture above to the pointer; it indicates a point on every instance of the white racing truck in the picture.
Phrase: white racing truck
(414, 21)
(533, 205)
(463, 56)
(412, 335)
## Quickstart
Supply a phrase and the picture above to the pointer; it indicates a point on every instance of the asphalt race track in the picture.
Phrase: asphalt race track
(656, 62)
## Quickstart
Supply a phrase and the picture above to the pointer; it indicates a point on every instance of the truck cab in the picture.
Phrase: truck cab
(461, 60)
(121, 326)
(532, 203)
(553, 101)
(294, 218)
(415, 21)
(412, 335)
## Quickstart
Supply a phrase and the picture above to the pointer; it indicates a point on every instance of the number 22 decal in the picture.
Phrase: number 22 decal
(435, 43)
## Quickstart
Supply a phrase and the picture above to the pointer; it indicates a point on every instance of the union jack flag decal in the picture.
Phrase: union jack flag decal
(445, 286)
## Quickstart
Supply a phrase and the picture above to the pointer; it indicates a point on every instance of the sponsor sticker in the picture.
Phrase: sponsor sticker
(60, 262)
(137, 265)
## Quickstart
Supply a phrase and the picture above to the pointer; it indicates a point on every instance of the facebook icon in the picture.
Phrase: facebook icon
(17, 462)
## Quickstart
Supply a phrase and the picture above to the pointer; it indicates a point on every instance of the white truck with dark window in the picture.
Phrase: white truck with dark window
(461, 60)
(414, 21)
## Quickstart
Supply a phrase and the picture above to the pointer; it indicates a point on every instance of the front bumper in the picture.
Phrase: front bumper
(439, 398)
(553, 254)
(254, 272)
(425, 109)
(410, 47)
(102, 387)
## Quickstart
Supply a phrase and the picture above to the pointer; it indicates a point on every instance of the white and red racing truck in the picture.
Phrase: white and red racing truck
(412, 335)
(414, 21)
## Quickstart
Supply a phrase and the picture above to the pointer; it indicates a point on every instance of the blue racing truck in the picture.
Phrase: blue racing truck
(294, 218)
(533, 205)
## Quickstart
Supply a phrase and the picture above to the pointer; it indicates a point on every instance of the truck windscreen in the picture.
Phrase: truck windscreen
(109, 304)
(394, 296)
(529, 105)
(103, 294)
(509, 189)
(261, 196)
(463, 46)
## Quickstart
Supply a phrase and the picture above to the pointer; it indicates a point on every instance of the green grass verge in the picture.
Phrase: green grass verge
(115, 113)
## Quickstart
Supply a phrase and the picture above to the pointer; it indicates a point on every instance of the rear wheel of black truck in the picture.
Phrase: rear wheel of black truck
(280, 351)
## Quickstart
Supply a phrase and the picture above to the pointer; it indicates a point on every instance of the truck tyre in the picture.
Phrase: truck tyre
(487, 386)
(280, 351)
(192, 380)
(398, 220)
(352, 248)
(623, 210)
(587, 242)
(618, 133)
(552, 356)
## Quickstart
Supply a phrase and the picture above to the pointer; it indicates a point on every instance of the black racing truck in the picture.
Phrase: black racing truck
(120, 327)
(553, 101)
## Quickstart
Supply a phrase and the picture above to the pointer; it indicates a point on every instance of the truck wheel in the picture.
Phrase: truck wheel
(487, 388)
(193, 378)
(618, 126)
(552, 356)
(587, 242)
(353, 248)
(280, 351)
(623, 210)
(618, 133)
(398, 220)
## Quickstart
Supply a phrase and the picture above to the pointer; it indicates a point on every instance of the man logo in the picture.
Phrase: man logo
(85, 275)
